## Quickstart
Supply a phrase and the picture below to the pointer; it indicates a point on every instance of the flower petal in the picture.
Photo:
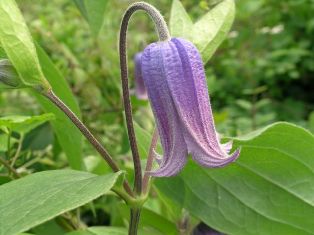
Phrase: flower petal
(140, 89)
(168, 123)
(188, 88)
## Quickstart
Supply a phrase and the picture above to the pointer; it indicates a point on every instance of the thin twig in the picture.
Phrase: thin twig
(18, 150)
(11, 169)
(150, 160)
(86, 132)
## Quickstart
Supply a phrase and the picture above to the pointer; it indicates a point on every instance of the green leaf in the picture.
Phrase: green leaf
(212, 29)
(68, 135)
(80, 233)
(4, 179)
(143, 138)
(101, 231)
(39, 197)
(270, 186)
(17, 42)
(180, 22)
(108, 230)
(111, 231)
(50, 227)
(207, 33)
(2, 53)
(311, 121)
(94, 12)
(24, 124)
(3, 142)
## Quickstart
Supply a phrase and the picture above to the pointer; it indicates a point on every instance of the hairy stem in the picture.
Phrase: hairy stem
(150, 159)
(86, 132)
(163, 33)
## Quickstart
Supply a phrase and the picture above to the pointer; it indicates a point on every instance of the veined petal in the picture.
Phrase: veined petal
(167, 119)
(140, 89)
(174, 77)
(188, 88)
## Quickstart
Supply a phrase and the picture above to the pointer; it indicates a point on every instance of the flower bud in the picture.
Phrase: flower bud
(8, 74)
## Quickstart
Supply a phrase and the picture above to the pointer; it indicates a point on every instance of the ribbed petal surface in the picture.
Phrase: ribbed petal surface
(168, 123)
(140, 89)
(174, 76)
(189, 91)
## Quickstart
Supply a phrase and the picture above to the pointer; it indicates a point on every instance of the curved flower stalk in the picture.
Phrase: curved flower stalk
(174, 76)
(140, 89)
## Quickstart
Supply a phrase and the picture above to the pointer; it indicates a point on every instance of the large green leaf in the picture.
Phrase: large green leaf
(94, 13)
(208, 32)
(68, 135)
(19, 47)
(107, 231)
(36, 198)
(268, 190)
(24, 124)
(112, 231)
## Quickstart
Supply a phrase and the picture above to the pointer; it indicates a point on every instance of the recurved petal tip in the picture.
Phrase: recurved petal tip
(227, 146)
(170, 168)
(214, 160)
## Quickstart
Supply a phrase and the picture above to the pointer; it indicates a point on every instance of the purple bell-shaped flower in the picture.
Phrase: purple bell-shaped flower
(174, 76)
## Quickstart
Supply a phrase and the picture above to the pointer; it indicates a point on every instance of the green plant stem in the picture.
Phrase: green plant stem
(150, 159)
(135, 214)
(86, 132)
(10, 168)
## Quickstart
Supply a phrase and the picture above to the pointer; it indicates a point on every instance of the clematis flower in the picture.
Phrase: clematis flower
(174, 76)
(140, 89)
